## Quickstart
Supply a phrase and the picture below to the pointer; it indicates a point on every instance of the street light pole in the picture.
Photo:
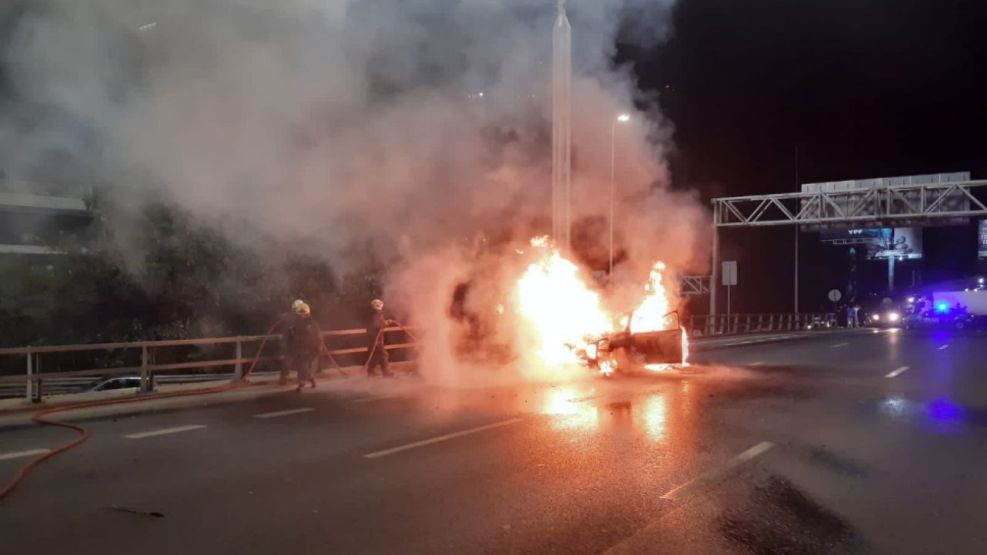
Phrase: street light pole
(622, 118)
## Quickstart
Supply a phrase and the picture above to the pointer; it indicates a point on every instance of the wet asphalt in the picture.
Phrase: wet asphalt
(803, 446)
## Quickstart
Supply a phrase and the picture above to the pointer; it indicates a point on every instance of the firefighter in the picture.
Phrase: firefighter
(302, 345)
(375, 340)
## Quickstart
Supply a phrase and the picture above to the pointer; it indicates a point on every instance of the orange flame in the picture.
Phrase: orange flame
(650, 314)
(563, 312)
(559, 306)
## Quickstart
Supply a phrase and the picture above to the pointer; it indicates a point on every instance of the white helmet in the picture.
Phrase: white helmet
(377, 304)
(300, 307)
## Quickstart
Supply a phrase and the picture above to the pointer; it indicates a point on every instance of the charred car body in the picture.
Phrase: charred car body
(626, 351)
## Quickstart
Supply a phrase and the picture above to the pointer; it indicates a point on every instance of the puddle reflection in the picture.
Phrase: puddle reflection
(571, 411)
(576, 409)
(655, 417)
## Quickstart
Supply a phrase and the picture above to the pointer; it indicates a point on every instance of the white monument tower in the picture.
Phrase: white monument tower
(561, 129)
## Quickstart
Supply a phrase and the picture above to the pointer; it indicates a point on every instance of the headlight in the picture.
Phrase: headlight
(893, 316)
(875, 317)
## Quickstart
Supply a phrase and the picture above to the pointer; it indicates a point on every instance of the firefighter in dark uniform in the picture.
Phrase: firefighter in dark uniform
(375, 340)
(302, 345)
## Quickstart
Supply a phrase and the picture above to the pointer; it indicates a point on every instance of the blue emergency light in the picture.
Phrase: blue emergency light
(942, 307)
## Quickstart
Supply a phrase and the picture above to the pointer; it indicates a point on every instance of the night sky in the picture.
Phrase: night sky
(861, 88)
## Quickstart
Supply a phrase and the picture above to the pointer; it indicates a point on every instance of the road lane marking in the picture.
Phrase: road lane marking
(758, 363)
(437, 439)
(583, 399)
(896, 371)
(22, 454)
(164, 431)
(718, 474)
(944, 347)
(374, 398)
(283, 413)
(838, 345)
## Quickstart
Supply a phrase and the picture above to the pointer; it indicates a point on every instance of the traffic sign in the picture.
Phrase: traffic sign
(730, 272)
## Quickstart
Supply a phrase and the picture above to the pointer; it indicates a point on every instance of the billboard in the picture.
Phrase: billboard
(879, 243)
(983, 240)
(906, 242)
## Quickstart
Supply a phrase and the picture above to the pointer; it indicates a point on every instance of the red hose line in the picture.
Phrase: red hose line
(40, 418)
(380, 334)
(260, 349)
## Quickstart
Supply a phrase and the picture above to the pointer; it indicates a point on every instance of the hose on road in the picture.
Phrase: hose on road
(41, 417)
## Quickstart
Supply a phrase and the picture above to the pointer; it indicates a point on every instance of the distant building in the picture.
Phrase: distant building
(31, 223)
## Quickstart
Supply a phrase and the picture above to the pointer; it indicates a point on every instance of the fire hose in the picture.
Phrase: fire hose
(260, 350)
(40, 417)
(377, 341)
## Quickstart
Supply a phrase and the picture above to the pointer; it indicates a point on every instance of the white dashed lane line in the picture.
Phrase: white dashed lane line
(717, 474)
(374, 398)
(438, 439)
(896, 371)
(838, 345)
(283, 413)
(22, 454)
(164, 431)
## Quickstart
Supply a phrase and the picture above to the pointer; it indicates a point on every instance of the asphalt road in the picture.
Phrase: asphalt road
(800, 446)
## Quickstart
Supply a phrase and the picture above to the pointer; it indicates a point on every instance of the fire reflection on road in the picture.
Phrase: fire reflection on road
(651, 412)
(570, 407)
(655, 416)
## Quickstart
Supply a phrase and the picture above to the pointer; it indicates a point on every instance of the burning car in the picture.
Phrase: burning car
(572, 323)
(540, 310)
(625, 350)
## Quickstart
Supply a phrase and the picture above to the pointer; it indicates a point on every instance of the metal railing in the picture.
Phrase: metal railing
(60, 368)
(149, 358)
(723, 324)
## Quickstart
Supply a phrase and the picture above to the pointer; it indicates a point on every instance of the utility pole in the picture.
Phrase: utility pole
(561, 129)
(798, 187)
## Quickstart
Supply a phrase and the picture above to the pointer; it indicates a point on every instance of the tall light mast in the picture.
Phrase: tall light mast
(561, 130)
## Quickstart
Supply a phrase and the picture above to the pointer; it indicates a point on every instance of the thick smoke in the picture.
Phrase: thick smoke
(413, 125)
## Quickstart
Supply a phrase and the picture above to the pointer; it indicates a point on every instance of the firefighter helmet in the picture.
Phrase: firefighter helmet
(377, 304)
(300, 307)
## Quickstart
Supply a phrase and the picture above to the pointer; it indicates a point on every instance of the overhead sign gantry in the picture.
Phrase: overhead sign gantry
(938, 199)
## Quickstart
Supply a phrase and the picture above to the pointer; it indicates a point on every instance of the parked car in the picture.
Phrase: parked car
(120, 382)
(942, 319)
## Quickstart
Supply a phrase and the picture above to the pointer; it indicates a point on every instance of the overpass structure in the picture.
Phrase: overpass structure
(921, 200)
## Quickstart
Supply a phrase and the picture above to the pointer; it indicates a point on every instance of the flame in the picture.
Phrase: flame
(650, 314)
(685, 348)
(560, 307)
(564, 313)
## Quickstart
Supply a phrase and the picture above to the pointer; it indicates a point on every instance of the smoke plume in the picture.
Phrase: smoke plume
(413, 126)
